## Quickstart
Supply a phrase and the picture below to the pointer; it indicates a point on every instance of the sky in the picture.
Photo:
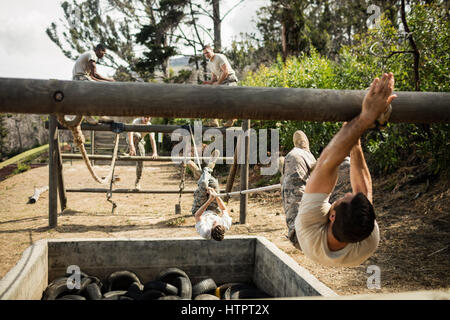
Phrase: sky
(27, 52)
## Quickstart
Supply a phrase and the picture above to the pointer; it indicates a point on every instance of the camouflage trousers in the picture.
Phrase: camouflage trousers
(139, 145)
(292, 193)
(201, 193)
(82, 77)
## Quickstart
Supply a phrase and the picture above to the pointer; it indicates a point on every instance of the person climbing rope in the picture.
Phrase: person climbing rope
(136, 144)
(222, 74)
(85, 69)
(344, 233)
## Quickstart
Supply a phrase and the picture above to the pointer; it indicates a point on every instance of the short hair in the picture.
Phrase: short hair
(354, 221)
(300, 140)
(100, 47)
(218, 232)
(207, 47)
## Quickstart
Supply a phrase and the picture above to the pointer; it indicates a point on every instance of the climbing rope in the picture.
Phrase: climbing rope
(195, 149)
(78, 137)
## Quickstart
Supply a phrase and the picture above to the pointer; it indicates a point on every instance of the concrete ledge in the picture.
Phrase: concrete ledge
(279, 275)
(29, 277)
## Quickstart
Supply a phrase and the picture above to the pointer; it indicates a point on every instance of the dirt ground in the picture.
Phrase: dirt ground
(414, 220)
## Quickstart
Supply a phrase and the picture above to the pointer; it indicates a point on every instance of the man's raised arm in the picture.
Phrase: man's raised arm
(377, 100)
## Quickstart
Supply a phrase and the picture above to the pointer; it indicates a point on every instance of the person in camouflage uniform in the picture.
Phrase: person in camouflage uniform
(295, 169)
(206, 180)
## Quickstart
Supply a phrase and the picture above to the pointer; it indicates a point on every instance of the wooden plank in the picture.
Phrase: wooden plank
(61, 188)
(244, 174)
(53, 178)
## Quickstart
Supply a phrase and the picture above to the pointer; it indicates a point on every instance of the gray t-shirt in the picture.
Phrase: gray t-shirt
(218, 61)
(311, 228)
(138, 134)
(81, 66)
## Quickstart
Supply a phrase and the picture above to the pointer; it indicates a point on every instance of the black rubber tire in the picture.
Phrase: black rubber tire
(96, 281)
(170, 274)
(115, 293)
(82, 274)
(151, 295)
(205, 286)
(121, 280)
(56, 288)
(72, 297)
(83, 285)
(93, 292)
(135, 290)
(165, 287)
(233, 287)
(223, 288)
(249, 294)
(169, 298)
(184, 287)
(205, 296)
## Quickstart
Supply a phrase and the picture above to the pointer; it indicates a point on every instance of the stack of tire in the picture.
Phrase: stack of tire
(171, 284)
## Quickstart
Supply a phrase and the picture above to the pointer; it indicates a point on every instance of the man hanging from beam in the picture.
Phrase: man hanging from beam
(136, 146)
(85, 69)
(222, 74)
(344, 233)
(295, 168)
(207, 205)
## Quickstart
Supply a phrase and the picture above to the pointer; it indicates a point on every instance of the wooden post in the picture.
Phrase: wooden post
(244, 173)
(61, 188)
(52, 173)
(233, 169)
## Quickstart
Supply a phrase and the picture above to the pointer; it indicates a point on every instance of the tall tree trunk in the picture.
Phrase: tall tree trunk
(413, 46)
(217, 25)
(284, 40)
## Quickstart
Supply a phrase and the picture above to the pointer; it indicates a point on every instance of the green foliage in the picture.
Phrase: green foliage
(373, 52)
(181, 77)
(21, 167)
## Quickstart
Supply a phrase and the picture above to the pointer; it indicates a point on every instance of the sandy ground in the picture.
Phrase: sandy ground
(413, 253)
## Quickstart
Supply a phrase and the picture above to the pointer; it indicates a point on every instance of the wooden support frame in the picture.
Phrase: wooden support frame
(178, 160)
(244, 172)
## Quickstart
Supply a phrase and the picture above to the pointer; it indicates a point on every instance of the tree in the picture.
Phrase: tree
(157, 36)
(290, 27)
(116, 23)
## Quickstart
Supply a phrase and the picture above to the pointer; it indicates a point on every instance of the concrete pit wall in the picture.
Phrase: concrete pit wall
(236, 259)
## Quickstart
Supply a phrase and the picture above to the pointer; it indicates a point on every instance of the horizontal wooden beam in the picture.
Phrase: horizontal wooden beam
(255, 190)
(104, 190)
(74, 156)
(143, 128)
(197, 101)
